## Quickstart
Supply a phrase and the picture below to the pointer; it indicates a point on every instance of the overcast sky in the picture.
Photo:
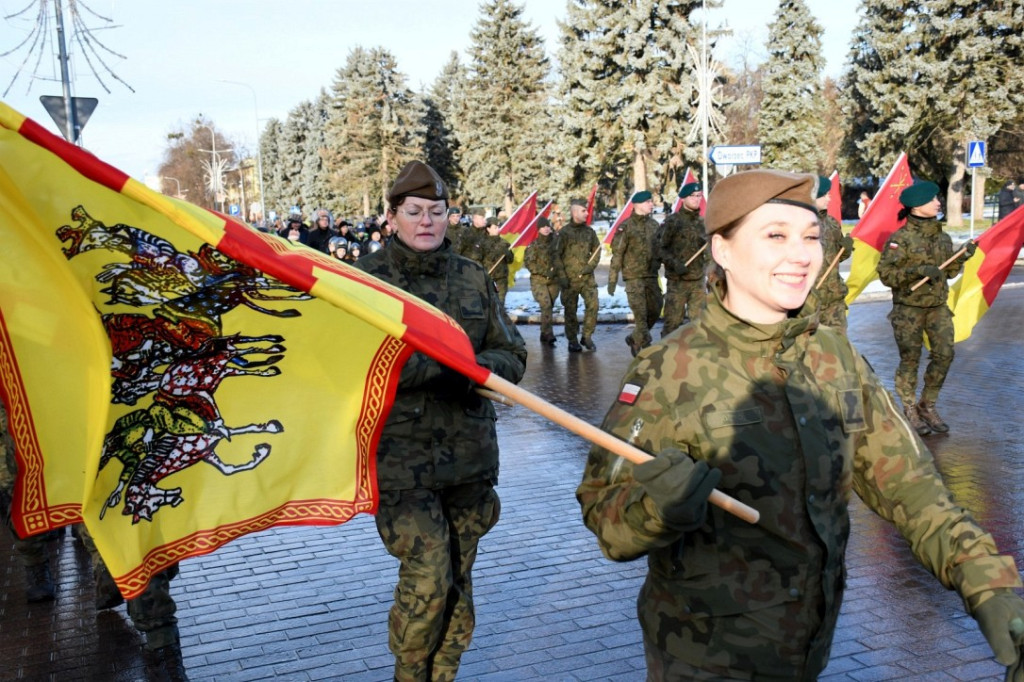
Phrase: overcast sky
(178, 53)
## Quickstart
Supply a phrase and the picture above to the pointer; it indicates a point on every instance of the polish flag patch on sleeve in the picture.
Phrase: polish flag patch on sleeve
(629, 393)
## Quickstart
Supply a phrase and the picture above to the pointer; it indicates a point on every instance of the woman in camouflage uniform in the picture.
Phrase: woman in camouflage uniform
(755, 398)
(913, 253)
(437, 458)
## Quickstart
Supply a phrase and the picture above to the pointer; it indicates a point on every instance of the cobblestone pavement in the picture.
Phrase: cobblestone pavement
(311, 603)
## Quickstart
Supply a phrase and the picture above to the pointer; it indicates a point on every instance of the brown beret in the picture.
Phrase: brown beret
(417, 179)
(739, 194)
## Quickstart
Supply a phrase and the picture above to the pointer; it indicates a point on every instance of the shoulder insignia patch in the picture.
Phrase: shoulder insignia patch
(629, 393)
(893, 245)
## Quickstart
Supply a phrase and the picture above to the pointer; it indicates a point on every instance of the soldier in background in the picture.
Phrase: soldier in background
(455, 228)
(681, 239)
(577, 253)
(32, 551)
(831, 291)
(540, 259)
(497, 257)
(913, 252)
(473, 244)
(754, 398)
(437, 459)
(635, 255)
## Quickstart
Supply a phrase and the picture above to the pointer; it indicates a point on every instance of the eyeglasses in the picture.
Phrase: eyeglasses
(435, 214)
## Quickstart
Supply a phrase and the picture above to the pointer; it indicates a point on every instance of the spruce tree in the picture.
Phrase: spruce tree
(504, 123)
(376, 128)
(627, 84)
(441, 104)
(293, 154)
(273, 176)
(791, 122)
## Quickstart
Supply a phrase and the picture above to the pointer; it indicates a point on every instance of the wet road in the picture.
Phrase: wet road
(311, 603)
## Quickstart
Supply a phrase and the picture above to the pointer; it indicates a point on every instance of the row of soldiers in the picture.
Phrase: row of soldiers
(640, 247)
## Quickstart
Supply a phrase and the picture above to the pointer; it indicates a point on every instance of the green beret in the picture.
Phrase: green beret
(543, 222)
(919, 194)
(492, 221)
(454, 210)
(641, 197)
(417, 179)
(824, 186)
(688, 189)
(578, 202)
(740, 193)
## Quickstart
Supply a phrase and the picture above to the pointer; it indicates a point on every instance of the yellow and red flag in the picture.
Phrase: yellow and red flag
(142, 335)
(973, 294)
(521, 217)
(626, 211)
(879, 222)
(689, 177)
(591, 201)
(835, 198)
(532, 230)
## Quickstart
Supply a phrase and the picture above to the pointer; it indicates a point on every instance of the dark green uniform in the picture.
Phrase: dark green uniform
(473, 244)
(497, 257)
(540, 259)
(831, 291)
(635, 255)
(907, 256)
(680, 238)
(437, 461)
(795, 419)
(575, 263)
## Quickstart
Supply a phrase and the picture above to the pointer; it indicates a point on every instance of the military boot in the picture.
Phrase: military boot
(107, 594)
(574, 346)
(166, 664)
(915, 421)
(927, 411)
(547, 338)
(588, 343)
(633, 348)
(38, 583)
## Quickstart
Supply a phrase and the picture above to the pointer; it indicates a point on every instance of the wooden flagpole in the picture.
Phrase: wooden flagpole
(952, 258)
(830, 267)
(609, 442)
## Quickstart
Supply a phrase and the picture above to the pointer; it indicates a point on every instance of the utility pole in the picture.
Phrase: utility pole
(72, 133)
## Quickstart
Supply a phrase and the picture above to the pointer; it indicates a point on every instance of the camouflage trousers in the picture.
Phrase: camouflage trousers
(663, 667)
(545, 292)
(586, 287)
(645, 300)
(833, 315)
(152, 612)
(910, 324)
(683, 300)
(434, 534)
(32, 550)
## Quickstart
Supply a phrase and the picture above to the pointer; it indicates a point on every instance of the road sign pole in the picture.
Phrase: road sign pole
(974, 200)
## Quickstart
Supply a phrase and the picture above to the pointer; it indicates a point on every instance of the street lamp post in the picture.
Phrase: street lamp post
(259, 150)
(178, 195)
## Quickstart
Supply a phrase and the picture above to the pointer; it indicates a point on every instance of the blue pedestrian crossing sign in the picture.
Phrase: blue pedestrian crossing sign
(975, 154)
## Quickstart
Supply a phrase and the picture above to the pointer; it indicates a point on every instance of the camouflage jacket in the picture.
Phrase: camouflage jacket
(456, 234)
(794, 418)
(918, 243)
(497, 257)
(574, 251)
(540, 258)
(679, 238)
(473, 244)
(440, 432)
(635, 249)
(833, 289)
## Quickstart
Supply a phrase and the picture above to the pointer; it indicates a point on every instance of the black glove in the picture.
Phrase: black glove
(1001, 619)
(678, 486)
(970, 247)
(847, 243)
(932, 272)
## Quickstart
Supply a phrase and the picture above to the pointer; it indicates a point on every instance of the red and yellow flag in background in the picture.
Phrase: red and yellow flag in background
(591, 201)
(975, 292)
(835, 194)
(879, 222)
(624, 214)
(521, 217)
(165, 367)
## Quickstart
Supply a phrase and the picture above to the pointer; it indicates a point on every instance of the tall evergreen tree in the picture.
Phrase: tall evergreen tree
(376, 128)
(504, 122)
(314, 180)
(293, 148)
(928, 76)
(626, 76)
(791, 122)
(441, 104)
(273, 173)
